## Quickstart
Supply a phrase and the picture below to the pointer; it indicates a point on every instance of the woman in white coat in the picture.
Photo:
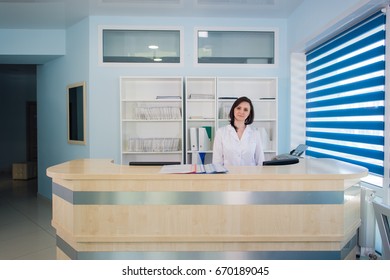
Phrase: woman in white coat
(239, 143)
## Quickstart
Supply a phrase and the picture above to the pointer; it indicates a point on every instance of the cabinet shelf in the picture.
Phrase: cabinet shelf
(255, 120)
(265, 120)
(200, 120)
(153, 120)
(253, 100)
(151, 100)
(200, 100)
(151, 153)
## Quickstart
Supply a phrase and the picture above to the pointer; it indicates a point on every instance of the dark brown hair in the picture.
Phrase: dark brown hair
(238, 101)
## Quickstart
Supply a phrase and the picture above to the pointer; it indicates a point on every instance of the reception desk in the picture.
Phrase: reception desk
(309, 210)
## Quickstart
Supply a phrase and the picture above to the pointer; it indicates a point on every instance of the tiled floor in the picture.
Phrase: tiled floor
(25, 230)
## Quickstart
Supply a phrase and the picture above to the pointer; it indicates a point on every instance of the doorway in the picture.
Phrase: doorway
(18, 115)
(32, 131)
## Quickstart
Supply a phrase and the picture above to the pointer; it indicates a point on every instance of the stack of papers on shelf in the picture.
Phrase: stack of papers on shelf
(224, 111)
(193, 169)
(153, 145)
(201, 96)
(155, 111)
(168, 97)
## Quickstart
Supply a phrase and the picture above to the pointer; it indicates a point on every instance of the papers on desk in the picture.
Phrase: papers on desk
(193, 169)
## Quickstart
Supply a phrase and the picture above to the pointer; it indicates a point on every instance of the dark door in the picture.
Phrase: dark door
(31, 141)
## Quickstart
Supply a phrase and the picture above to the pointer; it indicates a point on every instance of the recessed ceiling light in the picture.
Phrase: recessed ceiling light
(153, 47)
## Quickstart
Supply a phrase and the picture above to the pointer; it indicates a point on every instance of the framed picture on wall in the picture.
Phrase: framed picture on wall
(76, 113)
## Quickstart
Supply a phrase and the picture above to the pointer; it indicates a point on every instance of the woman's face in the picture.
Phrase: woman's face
(242, 111)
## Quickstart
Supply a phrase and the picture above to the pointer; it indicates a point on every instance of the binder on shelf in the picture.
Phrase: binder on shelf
(204, 136)
(194, 138)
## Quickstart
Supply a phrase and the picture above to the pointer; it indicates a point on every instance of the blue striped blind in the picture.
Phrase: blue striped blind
(345, 95)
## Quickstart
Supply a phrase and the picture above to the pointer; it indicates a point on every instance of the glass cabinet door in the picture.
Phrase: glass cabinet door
(141, 46)
(236, 47)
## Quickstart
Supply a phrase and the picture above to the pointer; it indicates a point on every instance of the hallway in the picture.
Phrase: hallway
(25, 229)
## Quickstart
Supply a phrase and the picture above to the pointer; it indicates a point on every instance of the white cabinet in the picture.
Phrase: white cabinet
(200, 96)
(208, 103)
(160, 122)
(263, 94)
(151, 112)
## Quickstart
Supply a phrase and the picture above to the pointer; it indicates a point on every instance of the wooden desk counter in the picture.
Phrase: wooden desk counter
(310, 210)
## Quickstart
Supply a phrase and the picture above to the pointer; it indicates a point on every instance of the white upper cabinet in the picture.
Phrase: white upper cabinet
(151, 119)
(202, 110)
(200, 117)
(171, 119)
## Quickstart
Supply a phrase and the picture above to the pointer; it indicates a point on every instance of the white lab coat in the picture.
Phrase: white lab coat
(230, 150)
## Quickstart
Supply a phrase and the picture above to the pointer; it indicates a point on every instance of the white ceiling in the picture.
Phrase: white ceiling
(58, 14)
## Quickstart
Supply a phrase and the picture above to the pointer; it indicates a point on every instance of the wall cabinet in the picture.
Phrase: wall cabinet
(214, 112)
(169, 119)
(263, 94)
(151, 119)
(201, 108)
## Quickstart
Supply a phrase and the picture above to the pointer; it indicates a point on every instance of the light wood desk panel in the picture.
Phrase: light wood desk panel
(310, 210)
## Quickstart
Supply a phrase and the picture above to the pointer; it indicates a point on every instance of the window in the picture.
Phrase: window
(345, 95)
(236, 47)
(141, 46)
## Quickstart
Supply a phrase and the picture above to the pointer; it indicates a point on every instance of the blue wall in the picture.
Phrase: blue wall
(81, 63)
(53, 78)
(312, 21)
(28, 46)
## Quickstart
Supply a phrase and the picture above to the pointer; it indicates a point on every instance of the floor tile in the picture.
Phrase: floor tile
(25, 222)
(21, 246)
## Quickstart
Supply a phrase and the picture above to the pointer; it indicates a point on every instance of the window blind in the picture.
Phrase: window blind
(345, 94)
